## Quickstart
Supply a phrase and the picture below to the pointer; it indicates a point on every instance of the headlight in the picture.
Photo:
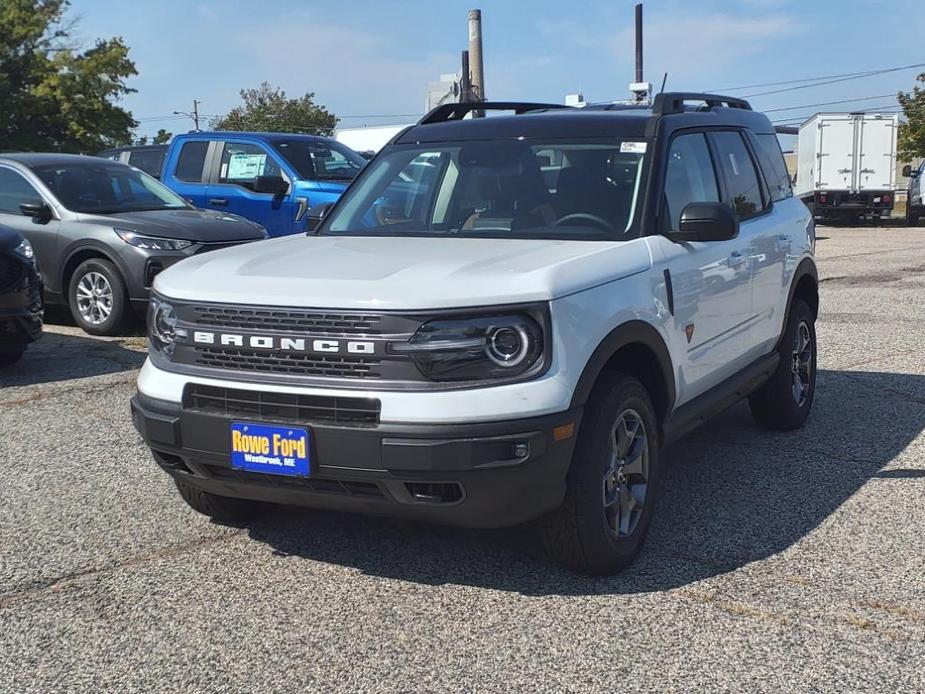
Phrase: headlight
(476, 349)
(24, 250)
(162, 325)
(154, 243)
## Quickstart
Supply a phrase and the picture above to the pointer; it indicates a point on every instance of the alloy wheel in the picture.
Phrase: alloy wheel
(94, 298)
(801, 362)
(626, 474)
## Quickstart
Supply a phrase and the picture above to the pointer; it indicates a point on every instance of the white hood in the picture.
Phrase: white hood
(399, 272)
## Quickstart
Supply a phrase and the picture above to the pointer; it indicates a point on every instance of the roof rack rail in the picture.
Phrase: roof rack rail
(673, 102)
(457, 111)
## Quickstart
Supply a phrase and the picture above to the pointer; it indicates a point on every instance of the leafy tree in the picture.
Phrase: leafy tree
(162, 138)
(911, 141)
(267, 108)
(53, 95)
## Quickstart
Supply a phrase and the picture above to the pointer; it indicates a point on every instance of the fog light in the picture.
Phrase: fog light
(521, 449)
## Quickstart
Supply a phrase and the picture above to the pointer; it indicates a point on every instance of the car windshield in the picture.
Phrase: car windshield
(105, 188)
(319, 160)
(507, 189)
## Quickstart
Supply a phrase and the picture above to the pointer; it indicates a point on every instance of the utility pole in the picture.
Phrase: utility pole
(194, 115)
(465, 83)
(640, 91)
(477, 82)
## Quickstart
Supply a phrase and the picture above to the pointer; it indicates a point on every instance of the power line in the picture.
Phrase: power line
(805, 79)
(871, 73)
(826, 103)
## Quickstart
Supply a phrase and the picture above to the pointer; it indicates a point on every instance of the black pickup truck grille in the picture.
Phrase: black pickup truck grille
(11, 272)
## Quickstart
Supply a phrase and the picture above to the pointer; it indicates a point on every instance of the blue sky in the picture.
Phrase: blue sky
(365, 58)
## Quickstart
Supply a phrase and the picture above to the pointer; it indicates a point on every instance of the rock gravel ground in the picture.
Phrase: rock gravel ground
(776, 562)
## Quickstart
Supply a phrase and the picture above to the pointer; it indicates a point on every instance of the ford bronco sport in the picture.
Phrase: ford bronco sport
(504, 319)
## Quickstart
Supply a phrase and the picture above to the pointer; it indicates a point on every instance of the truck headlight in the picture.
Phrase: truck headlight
(154, 243)
(162, 325)
(476, 349)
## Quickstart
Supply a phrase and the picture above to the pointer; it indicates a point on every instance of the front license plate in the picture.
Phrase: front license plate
(273, 450)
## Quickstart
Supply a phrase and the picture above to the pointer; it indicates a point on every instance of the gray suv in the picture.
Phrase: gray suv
(102, 231)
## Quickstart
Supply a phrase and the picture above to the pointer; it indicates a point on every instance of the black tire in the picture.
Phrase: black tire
(912, 219)
(114, 323)
(581, 535)
(8, 357)
(223, 509)
(777, 405)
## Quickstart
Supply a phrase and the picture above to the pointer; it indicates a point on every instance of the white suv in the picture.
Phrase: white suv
(503, 319)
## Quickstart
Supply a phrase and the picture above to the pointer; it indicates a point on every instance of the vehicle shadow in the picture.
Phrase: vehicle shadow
(731, 494)
(62, 356)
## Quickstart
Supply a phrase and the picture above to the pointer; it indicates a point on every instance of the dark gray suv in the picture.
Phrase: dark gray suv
(103, 230)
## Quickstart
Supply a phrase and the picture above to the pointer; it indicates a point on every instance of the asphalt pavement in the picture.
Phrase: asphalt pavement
(776, 562)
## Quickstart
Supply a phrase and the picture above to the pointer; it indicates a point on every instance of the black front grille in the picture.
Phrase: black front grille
(11, 272)
(285, 320)
(285, 407)
(301, 364)
(314, 484)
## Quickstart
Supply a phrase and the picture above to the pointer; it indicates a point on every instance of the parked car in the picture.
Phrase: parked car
(148, 158)
(915, 194)
(102, 231)
(273, 179)
(503, 319)
(20, 296)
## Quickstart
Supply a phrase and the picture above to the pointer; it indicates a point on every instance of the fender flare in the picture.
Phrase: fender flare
(631, 332)
(806, 268)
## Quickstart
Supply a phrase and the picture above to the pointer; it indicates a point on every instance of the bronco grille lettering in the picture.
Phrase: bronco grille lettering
(283, 344)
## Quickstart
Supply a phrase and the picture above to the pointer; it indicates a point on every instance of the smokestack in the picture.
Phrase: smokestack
(475, 55)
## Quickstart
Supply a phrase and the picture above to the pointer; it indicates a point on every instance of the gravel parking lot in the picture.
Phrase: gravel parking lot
(776, 562)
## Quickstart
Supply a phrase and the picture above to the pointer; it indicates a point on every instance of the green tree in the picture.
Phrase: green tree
(162, 138)
(54, 95)
(911, 142)
(267, 108)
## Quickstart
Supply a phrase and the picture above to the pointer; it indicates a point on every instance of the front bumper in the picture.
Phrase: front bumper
(458, 474)
(21, 311)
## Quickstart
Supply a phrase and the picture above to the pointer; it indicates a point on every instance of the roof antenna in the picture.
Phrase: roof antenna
(664, 79)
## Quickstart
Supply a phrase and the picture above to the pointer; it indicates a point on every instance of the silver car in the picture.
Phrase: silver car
(102, 231)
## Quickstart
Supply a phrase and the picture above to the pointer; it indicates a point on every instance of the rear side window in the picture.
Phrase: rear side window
(14, 191)
(192, 161)
(148, 160)
(689, 176)
(774, 167)
(741, 177)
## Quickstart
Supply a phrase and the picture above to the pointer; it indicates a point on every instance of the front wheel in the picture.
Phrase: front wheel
(611, 484)
(223, 509)
(784, 402)
(8, 357)
(98, 298)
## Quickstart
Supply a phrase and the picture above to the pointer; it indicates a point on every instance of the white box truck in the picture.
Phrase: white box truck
(847, 164)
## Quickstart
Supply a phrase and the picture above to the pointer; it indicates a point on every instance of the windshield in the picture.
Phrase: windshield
(507, 189)
(106, 188)
(319, 160)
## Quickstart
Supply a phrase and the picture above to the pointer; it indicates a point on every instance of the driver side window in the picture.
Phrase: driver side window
(14, 191)
(689, 176)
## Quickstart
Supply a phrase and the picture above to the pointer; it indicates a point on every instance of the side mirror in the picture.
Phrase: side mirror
(38, 210)
(317, 213)
(274, 185)
(707, 221)
(908, 172)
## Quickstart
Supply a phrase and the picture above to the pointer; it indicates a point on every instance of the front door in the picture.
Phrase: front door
(710, 279)
(232, 188)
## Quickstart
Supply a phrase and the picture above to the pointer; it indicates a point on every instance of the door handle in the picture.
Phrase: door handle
(735, 259)
(218, 202)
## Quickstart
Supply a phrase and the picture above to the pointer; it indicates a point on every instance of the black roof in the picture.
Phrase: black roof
(445, 124)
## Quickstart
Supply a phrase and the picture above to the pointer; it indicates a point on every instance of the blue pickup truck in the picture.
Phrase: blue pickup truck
(273, 179)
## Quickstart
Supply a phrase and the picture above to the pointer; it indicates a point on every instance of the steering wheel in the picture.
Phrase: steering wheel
(587, 216)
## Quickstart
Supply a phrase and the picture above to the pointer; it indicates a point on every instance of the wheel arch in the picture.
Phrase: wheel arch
(74, 257)
(805, 286)
(635, 348)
